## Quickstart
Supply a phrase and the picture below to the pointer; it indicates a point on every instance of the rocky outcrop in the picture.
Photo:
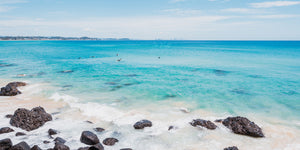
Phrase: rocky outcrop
(5, 144)
(203, 123)
(20, 146)
(6, 130)
(89, 138)
(30, 119)
(110, 141)
(142, 124)
(231, 148)
(243, 126)
(11, 89)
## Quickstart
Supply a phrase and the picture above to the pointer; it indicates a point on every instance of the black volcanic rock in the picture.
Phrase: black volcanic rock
(8, 116)
(89, 138)
(83, 148)
(6, 130)
(11, 89)
(60, 140)
(231, 148)
(20, 146)
(204, 123)
(98, 146)
(30, 119)
(20, 134)
(243, 126)
(52, 132)
(110, 141)
(126, 149)
(99, 129)
(61, 146)
(142, 124)
(35, 147)
(5, 144)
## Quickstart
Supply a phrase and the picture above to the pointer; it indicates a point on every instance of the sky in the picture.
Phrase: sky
(153, 19)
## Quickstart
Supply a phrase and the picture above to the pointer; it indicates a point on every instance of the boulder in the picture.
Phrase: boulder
(30, 119)
(11, 89)
(61, 146)
(89, 138)
(170, 128)
(243, 126)
(52, 132)
(20, 134)
(142, 124)
(6, 130)
(60, 140)
(126, 149)
(35, 147)
(5, 144)
(46, 142)
(98, 146)
(110, 141)
(231, 148)
(204, 123)
(20, 146)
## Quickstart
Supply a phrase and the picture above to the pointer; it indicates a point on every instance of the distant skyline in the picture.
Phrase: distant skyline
(155, 19)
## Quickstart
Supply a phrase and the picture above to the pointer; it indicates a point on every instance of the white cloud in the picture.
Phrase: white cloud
(240, 10)
(274, 4)
(182, 12)
(280, 16)
(5, 8)
(11, 1)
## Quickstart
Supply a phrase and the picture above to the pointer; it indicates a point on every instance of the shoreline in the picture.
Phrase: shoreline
(119, 123)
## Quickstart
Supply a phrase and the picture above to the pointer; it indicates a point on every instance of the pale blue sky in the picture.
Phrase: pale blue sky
(153, 19)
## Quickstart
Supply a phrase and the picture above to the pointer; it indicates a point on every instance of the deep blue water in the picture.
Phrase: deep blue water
(236, 77)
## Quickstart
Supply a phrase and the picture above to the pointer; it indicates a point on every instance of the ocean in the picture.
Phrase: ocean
(152, 79)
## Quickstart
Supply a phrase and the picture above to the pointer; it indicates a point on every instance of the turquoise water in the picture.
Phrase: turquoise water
(235, 77)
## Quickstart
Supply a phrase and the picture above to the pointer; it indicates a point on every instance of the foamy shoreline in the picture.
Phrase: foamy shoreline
(71, 117)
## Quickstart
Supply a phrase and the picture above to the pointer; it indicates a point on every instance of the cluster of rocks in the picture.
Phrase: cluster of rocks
(11, 89)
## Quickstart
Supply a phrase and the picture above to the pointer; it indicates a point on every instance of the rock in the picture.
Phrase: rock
(204, 123)
(11, 89)
(219, 120)
(90, 122)
(6, 130)
(243, 126)
(35, 147)
(170, 128)
(30, 120)
(61, 146)
(60, 140)
(99, 129)
(52, 132)
(142, 124)
(5, 144)
(231, 148)
(98, 146)
(89, 138)
(110, 141)
(20, 134)
(20, 146)
(83, 148)
(8, 116)
(46, 142)
(126, 149)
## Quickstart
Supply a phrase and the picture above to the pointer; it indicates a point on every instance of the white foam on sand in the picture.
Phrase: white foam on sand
(71, 121)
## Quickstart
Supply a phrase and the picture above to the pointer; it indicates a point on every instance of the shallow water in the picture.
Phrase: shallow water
(157, 79)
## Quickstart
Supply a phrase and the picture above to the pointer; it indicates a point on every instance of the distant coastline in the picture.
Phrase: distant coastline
(56, 38)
